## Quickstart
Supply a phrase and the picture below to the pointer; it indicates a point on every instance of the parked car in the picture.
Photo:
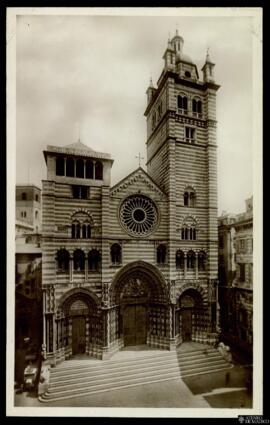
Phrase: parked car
(30, 374)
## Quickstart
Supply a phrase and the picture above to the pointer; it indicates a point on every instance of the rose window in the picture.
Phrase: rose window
(138, 215)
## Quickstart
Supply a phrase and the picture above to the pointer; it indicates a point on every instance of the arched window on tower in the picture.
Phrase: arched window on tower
(80, 168)
(116, 257)
(78, 260)
(89, 169)
(94, 259)
(186, 199)
(188, 231)
(196, 107)
(88, 231)
(191, 260)
(189, 197)
(182, 104)
(202, 261)
(70, 167)
(84, 233)
(179, 259)
(98, 170)
(62, 259)
(60, 166)
(161, 254)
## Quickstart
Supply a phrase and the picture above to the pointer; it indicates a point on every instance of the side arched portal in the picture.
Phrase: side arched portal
(79, 324)
(191, 317)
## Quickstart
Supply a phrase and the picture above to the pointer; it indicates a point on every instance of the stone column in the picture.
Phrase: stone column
(94, 169)
(185, 265)
(106, 327)
(84, 168)
(71, 268)
(86, 269)
(65, 166)
(196, 265)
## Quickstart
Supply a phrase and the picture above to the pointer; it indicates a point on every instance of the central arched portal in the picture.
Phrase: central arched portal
(140, 297)
(134, 302)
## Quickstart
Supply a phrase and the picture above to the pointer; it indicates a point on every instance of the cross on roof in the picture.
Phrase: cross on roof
(139, 158)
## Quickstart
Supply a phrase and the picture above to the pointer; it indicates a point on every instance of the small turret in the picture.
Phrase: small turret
(177, 43)
(169, 56)
(208, 69)
(150, 91)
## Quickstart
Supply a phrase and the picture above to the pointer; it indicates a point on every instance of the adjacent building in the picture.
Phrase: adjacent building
(28, 290)
(136, 263)
(236, 277)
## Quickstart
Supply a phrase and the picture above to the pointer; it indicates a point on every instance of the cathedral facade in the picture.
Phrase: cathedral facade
(136, 263)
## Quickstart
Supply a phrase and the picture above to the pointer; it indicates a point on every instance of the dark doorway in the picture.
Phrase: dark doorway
(186, 324)
(78, 335)
(134, 324)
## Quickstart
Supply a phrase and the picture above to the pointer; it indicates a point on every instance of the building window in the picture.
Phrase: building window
(190, 260)
(179, 259)
(89, 169)
(62, 259)
(80, 168)
(189, 198)
(161, 254)
(116, 254)
(188, 233)
(196, 107)
(98, 170)
(24, 196)
(182, 104)
(36, 215)
(201, 261)
(60, 166)
(242, 274)
(242, 245)
(70, 167)
(187, 74)
(93, 260)
(80, 192)
(189, 134)
(79, 260)
(37, 198)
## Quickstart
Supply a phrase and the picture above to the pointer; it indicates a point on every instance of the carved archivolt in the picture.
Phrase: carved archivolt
(139, 277)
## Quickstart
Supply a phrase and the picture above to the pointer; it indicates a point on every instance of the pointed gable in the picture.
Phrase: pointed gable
(137, 182)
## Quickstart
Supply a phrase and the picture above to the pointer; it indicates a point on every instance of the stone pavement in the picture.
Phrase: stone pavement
(164, 394)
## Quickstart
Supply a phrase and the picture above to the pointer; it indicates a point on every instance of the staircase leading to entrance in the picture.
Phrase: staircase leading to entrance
(75, 378)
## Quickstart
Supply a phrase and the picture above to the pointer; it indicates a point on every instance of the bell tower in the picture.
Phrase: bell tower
(182, 159)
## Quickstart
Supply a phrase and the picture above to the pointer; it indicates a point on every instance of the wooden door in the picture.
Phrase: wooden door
(78, 335)
(186, 324)
(134, 325)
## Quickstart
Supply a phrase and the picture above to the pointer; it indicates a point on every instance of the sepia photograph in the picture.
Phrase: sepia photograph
(134, 205)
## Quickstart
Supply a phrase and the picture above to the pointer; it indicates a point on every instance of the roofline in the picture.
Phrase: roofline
(46, 152)
(133, 172)
(28, 185)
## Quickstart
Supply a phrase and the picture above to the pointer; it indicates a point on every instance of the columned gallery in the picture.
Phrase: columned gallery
(136, 263)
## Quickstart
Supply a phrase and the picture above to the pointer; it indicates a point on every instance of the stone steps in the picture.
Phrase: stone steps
(84, 366)
(82, 377)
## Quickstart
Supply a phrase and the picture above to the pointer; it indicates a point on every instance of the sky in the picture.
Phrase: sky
(87, 76)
